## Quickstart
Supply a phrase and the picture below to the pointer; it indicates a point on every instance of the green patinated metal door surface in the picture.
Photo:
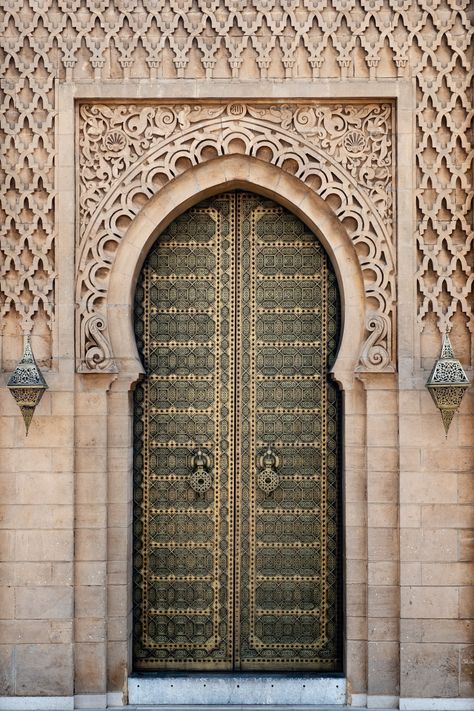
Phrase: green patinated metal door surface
(236, 439)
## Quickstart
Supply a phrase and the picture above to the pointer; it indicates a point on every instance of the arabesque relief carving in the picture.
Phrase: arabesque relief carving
(45, 41)
(344, 152)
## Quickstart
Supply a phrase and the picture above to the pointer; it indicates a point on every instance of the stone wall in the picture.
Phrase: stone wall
(65, 490)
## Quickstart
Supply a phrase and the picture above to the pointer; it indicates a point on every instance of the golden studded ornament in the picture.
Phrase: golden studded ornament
(236, 437)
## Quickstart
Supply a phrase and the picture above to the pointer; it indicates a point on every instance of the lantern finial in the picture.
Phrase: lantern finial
(27, 384)
(447, 383)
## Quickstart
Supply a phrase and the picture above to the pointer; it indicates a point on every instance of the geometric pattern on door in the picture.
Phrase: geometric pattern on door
(236, 445)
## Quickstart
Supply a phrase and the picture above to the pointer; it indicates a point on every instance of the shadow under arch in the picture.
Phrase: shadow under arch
(204, 180)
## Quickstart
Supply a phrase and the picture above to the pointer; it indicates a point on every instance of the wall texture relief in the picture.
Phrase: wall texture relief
(45, 41)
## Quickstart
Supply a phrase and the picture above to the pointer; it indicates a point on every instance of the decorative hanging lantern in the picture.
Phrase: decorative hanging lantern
(27, 384)
(447, 383)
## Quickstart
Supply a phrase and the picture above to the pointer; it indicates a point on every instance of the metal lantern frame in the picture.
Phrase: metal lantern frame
(447, 383)
(27, 384)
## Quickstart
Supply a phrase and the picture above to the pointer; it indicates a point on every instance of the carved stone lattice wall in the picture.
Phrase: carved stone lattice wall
(128, 152)
(45, 40)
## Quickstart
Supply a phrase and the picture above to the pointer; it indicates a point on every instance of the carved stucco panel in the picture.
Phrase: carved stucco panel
(344, 152)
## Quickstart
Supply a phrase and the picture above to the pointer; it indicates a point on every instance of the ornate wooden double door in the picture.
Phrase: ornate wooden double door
(236, 525)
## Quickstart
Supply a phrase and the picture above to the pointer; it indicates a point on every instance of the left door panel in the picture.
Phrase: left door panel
(183, 440)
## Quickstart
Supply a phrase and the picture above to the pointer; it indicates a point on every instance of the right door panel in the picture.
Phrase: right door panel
(287, 445)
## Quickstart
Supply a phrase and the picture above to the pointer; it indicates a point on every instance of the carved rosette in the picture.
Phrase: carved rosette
(344, 152)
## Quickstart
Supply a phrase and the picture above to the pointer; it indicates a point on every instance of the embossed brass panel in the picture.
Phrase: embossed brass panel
(236, 532)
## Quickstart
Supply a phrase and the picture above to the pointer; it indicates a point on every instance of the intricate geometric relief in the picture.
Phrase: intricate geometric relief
(344, 152)
(70, 40)
(236, 519)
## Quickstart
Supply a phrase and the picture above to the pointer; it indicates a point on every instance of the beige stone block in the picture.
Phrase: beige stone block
(119, 542)
(356, 600)
(409, 401)
(117, 629)
(90, 630)
(466, 487)
(62, 573)
(63, 459)
(35, 631)
(356, 513)
(7, 546)
(356, 571)
(384, 629)
(383, 668)
(91, 460)
(448, 516)
(91, 487)
(410, 459)
(117, 665)
(382, 515)
(55, 431)
(430, 670)
(383, 544)
(383, 601)
(356, 657)
(90, 402)
(427, 488)
(90, 544)
(91, 431)
(356, 543)
(466, 602)
(118, 572)
(382, 402)
(20, 460)
(382, 487)
(355, 431)
(62, 403)
(466, 674)
(91, 516)
(8, 493)
(7, 602)
(44, 488)
(383, 572)
(466, 544)
(90, 573)
(420, 431)
(43, 603)
(44, 670)
(466, 428)
(7, 431)
(44, 545)
(382, 430)
(40, 516)
(410, 516)
(447, 459)
(452, 631)
(90, 601)
(120, 487)
(120, 430)
(447, 573)
(382, 459)
(410, 573)
(7, 669)
(355, 485)
(436, 546)
(429, 602)
(118, 603)
(119, 515)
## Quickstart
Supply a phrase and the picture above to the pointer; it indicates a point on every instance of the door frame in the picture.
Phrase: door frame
(339, 636)
(199, 182)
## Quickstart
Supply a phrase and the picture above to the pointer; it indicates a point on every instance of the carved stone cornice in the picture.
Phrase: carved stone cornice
(127, 152)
